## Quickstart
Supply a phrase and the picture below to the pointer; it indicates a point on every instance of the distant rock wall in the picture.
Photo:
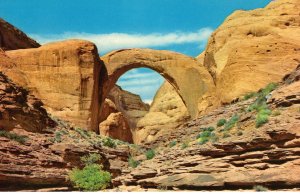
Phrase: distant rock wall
(167, 112)
(122, 110)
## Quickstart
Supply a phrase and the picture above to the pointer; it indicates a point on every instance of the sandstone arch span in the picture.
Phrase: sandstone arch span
(184, 73)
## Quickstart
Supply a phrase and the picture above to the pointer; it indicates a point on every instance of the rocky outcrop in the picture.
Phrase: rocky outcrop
(64, 75)
(166, 113)
(120, 114)
(238, 158)
(12, 38)
(179, 70)
(18, 109)
(44, 160)
(253, 48)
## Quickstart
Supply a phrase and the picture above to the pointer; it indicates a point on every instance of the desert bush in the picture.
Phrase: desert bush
(260, 188)
(231, 123)
(221, 122)
(91, 177)
(13, 136)
(250, 95)
(173, 143)
(90, 159)
(83, 133)
(132, 162)
(184, 145)
(262, 117)
(150, 154)
(108, 142)
(206, 135)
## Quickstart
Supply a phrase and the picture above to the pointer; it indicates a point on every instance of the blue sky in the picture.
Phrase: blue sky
(179, 25)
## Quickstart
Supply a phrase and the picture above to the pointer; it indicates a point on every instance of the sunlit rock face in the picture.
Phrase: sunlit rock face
(167, 112)
(253, 48)
(62, 75)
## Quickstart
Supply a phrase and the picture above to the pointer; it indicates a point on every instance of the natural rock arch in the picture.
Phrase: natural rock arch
(190, 79)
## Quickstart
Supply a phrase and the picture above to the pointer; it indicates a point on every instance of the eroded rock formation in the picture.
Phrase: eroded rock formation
(18, 109)
(62, 75)
(243, 158)
(166, 113)
(253, 48)
(120, 114)
(12, 38)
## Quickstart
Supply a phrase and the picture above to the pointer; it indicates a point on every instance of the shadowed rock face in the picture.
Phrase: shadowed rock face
(120, 114)
(253, 48)
(20, 110)
(12, 38)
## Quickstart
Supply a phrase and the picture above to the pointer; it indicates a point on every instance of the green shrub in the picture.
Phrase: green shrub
(83, 133)
(262, 117)
(260, 188)
(231, 123)
(108, 142)
(13, 136)
(132, 162)
(221, 122)
(184, 145)
(250, 95)
(226, 135)
(90, 159)
(269, 88)
(206, 135)
(172, 144)
(150, 154)
(90, 178)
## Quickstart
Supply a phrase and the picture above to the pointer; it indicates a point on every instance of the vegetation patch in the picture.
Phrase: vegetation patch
(206, 135)
(132, 162)
(260, 188)
(83, 133)
(221, 122)
(260, 105)
(108, 142)
(173, 143)
(231, 123)
(13, 136)
(91, 177)
(184, 145)
(150, 154)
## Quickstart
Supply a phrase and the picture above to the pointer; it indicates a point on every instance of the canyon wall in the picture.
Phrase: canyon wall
(12, 38)
(62, 74)
(253, 48)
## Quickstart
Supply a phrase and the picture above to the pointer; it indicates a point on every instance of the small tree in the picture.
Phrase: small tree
(91, 177)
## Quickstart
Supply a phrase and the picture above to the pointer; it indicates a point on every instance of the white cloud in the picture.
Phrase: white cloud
(112, 41)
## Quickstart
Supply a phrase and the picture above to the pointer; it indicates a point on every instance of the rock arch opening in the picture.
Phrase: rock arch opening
(189, 80)
(128, 114)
